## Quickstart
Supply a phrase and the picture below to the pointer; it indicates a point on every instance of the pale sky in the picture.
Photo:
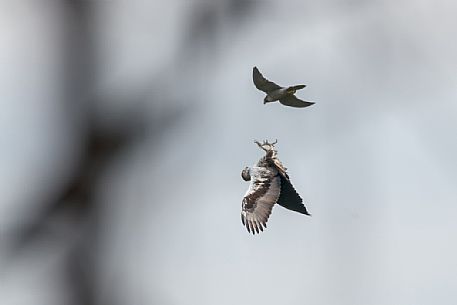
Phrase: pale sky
(374, 158)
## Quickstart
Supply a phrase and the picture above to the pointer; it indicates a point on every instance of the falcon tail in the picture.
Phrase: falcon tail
(297, 87)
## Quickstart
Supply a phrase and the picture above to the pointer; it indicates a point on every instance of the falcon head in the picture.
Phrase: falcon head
(245, 174)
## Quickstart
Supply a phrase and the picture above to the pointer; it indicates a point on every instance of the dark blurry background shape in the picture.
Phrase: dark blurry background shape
(126, 124)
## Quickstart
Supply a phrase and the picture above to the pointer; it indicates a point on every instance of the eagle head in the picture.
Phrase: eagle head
(245, 174)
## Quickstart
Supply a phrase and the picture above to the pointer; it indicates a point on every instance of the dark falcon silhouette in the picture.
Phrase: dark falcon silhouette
(285, 95)
(269, 185)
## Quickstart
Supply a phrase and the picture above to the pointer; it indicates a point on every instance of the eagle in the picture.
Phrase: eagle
(269, 184)
(285, 95)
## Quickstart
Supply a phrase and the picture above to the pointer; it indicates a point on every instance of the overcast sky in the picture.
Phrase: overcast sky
(374, 158)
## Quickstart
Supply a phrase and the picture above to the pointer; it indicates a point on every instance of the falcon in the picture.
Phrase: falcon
(269, 185)
(285, 95)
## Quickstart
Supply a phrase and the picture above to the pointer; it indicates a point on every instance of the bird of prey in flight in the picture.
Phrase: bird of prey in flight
(285, 95)
(269, 185)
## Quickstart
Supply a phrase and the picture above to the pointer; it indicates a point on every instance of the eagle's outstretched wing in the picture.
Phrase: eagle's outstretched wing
(262, 194)
(289, 197)
(293, 101)
(262, 83)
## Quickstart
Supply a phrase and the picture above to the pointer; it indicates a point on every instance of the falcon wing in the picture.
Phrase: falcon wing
(258, 202)
(262, 83)
(292, 101)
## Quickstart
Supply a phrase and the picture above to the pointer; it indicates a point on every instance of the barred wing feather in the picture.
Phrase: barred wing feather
(264, 191)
